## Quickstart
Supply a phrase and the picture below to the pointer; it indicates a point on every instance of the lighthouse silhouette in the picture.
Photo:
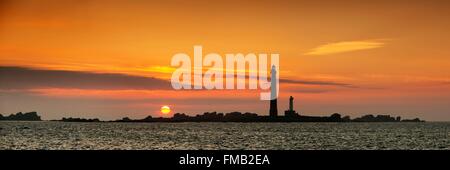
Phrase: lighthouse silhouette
(273, 93)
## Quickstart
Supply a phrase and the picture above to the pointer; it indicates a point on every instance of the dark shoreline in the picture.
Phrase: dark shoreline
(220, 117)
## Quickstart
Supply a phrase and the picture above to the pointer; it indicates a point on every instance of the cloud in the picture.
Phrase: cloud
(345, 46)
(28, 78)
(321, 83)
(22, 78)
(314, 91)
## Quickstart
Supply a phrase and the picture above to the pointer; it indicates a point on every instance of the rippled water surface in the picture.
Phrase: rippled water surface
(65, 135)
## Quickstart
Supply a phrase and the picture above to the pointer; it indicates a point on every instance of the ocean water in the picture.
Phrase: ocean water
(247, 136)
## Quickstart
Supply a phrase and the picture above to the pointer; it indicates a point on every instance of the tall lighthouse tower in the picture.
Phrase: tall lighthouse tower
(273, 93)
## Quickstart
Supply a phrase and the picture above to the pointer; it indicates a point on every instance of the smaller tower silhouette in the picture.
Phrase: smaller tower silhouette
(291, 103)
(291, 112)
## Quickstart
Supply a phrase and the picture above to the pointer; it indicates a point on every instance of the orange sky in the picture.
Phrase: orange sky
(393, 57)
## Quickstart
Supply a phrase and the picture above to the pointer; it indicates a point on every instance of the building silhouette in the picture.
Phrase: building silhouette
(291, 112)
(273, 112)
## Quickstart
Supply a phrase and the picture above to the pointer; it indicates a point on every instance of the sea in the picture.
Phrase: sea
(51, 135)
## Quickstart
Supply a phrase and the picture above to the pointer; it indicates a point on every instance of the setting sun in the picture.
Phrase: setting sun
(165, 109)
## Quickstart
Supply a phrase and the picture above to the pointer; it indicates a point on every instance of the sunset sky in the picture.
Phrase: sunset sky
(111, 59)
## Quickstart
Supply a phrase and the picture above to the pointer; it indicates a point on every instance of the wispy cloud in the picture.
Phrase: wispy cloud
(346, 46)
(28, 78)
(321, 83)
(16, 78)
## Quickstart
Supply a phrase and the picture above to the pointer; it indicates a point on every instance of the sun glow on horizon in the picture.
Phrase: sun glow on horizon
(165, 110)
